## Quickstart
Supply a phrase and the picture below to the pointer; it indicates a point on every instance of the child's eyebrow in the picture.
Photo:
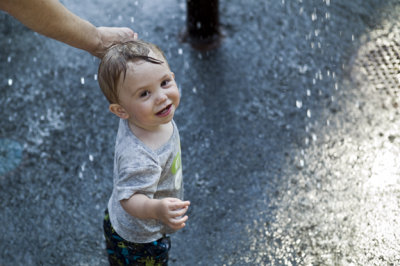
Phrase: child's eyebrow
(168, 75)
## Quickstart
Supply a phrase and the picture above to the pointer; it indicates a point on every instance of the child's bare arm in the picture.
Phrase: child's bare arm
(170, 211)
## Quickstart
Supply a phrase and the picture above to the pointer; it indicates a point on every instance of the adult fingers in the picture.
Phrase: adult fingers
(127, 34)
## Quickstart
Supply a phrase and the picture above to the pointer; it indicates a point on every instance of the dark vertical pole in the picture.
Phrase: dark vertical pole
(202, 23)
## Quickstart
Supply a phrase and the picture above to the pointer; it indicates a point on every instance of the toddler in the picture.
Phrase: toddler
(147, 197)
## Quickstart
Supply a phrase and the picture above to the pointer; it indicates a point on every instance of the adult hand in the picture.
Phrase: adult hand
(112, 35)
(52, 19)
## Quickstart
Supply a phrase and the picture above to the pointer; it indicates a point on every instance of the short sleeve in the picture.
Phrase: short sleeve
(141, 179)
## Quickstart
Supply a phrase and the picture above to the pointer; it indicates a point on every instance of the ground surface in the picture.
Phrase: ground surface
(290, 135)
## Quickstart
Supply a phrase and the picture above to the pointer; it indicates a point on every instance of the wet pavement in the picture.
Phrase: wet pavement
(290, 135)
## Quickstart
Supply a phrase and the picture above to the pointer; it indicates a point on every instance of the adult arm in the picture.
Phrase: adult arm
(170, 211)
(52, 19)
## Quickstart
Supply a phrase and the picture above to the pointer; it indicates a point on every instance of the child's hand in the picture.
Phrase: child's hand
(170, 211)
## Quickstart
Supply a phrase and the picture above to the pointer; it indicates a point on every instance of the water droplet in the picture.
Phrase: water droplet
(314, 15)
(82, 80)
(314, 137)
(299, 104)
(10, 82)
(90, 157)
(119, 17)
(303, 69)
(186, 66)
(198, 25)
(95, 76)
(309, 113)
(194, 90)
(136, 3)
(327, 15)
(9, 59)
(132, 19)
(308, 92)
(180, 51)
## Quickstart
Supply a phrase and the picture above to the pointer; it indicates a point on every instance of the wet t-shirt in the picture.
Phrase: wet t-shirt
(139, 169)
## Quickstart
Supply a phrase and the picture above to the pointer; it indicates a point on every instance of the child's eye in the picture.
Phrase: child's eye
(144, 94)
(165, 82)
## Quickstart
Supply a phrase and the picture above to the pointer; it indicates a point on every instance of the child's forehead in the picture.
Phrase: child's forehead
(138, 62)
(142, 69)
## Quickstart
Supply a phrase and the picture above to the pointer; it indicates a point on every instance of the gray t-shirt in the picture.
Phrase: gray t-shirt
(139, 169)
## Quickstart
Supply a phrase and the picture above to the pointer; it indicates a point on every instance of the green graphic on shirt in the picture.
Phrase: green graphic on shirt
(176, 164)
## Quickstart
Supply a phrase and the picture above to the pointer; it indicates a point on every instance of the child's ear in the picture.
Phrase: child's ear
(118, 110)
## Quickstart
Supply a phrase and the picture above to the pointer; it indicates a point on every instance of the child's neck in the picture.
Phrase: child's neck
(153, 139)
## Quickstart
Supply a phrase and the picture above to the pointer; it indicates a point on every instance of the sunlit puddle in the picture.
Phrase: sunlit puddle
(342, 208)
(10, 155)
(379, 215)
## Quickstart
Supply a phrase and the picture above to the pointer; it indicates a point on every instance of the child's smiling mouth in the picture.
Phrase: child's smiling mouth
(166, 111)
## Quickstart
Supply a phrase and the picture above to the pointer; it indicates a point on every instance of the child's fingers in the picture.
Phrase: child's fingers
(179, 212)
(179, 221)
(180, 205)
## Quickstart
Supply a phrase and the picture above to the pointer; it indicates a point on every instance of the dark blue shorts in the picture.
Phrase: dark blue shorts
(123, 252)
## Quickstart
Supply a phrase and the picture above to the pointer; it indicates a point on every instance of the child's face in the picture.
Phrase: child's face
(149, 95)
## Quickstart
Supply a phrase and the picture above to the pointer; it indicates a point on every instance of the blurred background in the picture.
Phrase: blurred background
(289, 130)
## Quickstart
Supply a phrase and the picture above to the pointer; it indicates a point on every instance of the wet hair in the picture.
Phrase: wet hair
(115, 62)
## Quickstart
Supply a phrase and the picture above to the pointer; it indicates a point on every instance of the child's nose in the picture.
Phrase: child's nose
(162, 97)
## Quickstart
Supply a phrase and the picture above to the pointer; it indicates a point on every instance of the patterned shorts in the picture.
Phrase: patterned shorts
(122, 252)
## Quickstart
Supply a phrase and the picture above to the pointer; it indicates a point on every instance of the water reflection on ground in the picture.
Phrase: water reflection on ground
(343, 206)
